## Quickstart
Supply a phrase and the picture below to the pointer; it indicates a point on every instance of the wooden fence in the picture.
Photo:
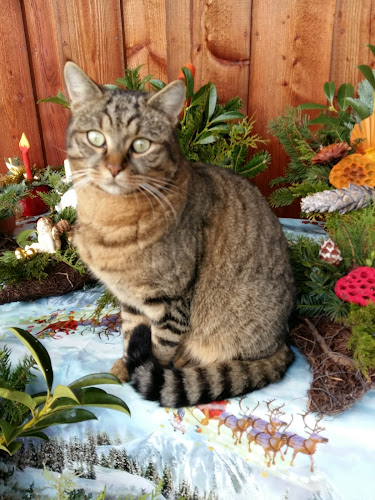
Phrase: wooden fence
(271, 53)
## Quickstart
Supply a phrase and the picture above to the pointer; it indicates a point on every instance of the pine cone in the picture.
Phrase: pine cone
(331, 152)
(342, 200)
(329, 252)
(63, 225)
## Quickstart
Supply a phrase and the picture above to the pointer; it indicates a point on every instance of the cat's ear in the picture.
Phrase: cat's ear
(170, 99)
(81, 89)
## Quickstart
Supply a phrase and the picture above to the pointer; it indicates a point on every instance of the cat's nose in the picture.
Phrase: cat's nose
(114, 168)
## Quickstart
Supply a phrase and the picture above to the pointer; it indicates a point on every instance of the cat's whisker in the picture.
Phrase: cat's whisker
(81, 184)
(79, 177)
(159, 201)
(160, 197)
(57, 148)
(164, 186)
(141, 190)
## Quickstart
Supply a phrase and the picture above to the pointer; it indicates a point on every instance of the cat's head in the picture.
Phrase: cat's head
(122, 141)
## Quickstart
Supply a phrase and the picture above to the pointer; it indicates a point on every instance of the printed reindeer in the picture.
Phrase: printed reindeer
(237, 425)
(306, 446)
(274, 424)
(271, 443)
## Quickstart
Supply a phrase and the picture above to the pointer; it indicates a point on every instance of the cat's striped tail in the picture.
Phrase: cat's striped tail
(191, 386)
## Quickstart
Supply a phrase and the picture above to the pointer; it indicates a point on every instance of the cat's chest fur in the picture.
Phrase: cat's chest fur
(134, 248)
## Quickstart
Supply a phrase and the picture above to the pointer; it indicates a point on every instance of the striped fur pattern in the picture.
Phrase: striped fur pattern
(193, 252)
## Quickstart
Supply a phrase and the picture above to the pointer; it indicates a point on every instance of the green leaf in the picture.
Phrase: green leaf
(23, 237)
(189, 81)
(18, 396)
(228, 115)
(39, 398)
(144, 81)
(212, 100)
(38, 352)
(62, 391)
(95, 379)
(345, 90)
(68, 416)
(156, 84)
(359, 107)
(35, 434)
(371, 47)
(206, 138)
(329, 90)
(56, 100)
(367, 72)
(93, 396)
(7, 429)
(311, 105)
(4, 448)
(63, 403)
(12, 447)
(122, 81)
(223, 128)
(110, 86)
(201, 93)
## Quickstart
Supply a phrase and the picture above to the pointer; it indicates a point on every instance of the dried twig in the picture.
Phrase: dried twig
(336, 358)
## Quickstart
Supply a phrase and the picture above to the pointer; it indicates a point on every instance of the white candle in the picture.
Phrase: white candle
(68, 171)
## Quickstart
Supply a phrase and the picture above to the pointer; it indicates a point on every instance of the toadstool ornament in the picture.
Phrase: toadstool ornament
(358, 286)
(330, 252)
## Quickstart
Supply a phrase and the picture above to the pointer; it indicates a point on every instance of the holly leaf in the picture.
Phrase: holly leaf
(156, 84)
(7, 430)
(329, 90)
(95, 379)
(68, 416)
(212, 100)
(367, 72)
(311, 105)
(93, 396)
(35, 434)
(359, 107)
(23, 237)
(228, 115)
(189, 81)
(345, 90)
(38, 352)
(17, 396)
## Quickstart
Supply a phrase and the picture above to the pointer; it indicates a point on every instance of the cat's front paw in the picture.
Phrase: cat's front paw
(119, 370)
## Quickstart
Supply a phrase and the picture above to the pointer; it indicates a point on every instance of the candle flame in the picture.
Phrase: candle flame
(24, 143)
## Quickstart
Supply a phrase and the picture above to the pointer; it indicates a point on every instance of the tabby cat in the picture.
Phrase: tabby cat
(193, 252)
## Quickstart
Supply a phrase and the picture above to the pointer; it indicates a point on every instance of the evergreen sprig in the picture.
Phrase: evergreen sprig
(362, 339)
(9, 198)
(17, 378)
(354, 234)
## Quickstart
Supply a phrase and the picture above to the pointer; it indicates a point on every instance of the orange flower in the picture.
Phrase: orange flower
(358, 168)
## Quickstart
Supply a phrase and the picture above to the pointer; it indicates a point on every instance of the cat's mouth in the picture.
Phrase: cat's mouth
(113, 187)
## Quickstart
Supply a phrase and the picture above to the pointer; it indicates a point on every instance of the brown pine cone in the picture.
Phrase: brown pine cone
(63, 225)
(332, 152)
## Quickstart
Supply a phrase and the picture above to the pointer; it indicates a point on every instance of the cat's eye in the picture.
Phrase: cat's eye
(96, 138)
(141, 145)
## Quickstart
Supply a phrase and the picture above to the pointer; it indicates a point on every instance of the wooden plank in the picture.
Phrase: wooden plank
(145, 36)
(179, 40)
(352, 33)
(290, 61)
(47, 72)
(221, 46)
(91, 35)
(17, 100)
